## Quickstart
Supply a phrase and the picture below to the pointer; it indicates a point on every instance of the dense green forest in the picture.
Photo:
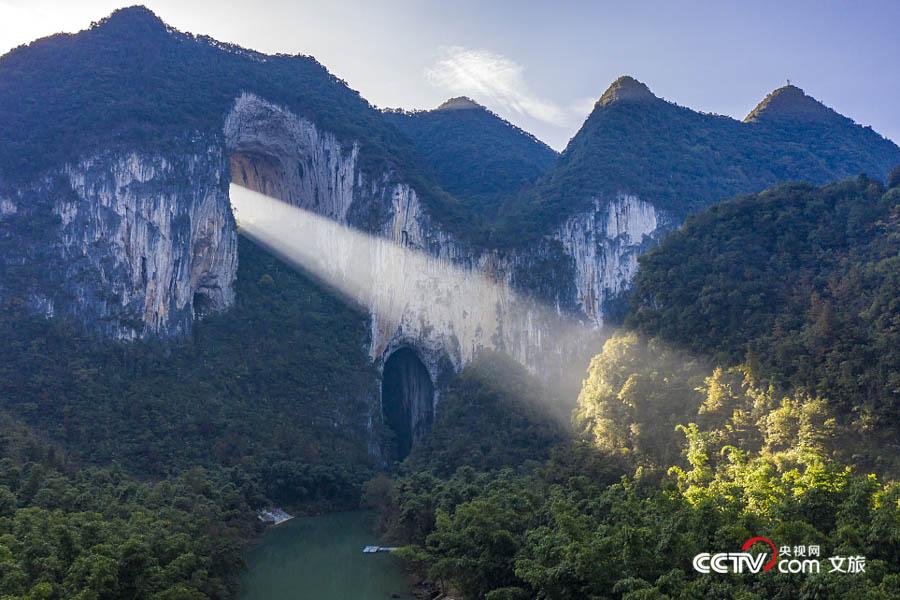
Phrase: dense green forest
(254, 410)
(803, 284)
(689, 444)
(682, 160)
(576, 527)
(158, 408)
(88, 533)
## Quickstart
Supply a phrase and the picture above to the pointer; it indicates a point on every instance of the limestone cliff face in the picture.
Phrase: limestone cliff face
(462, 298)
(541, 297)
(141, 243)
(131, 244)
(605, 243)
(278, 154)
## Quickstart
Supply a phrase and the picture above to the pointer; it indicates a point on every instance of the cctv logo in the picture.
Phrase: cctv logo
(737, 562)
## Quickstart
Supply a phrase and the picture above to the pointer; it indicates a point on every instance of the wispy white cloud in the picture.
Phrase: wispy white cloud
(494, 80)
(582, 106)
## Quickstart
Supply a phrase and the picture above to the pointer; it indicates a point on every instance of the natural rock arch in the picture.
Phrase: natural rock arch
(277, 153)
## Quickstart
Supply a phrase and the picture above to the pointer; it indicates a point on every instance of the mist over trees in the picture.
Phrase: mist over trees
(802, 284)
(724, 415)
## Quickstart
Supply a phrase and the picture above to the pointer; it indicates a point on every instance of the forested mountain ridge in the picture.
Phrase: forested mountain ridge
(681, 160)
(789, 103)
(756, 394)
(134, 114)
(131, 81)
(146, 80)
(477, 156)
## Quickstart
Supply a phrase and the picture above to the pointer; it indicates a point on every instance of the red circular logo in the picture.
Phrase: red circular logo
(754, 540)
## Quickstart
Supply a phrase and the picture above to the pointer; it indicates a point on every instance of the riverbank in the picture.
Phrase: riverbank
(322, 555)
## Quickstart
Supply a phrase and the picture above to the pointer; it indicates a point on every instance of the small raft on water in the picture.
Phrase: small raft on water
(276, 516)
(374, 549)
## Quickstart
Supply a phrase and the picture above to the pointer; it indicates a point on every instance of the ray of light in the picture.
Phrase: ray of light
(408, 292)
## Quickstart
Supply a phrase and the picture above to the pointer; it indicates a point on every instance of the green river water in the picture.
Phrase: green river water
(320, 558)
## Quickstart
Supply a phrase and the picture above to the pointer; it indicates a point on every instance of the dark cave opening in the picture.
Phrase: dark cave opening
(202, 304)
(407, 399)
(259, 172)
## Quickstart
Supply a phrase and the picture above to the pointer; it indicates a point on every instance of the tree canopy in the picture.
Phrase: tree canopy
(697, 431)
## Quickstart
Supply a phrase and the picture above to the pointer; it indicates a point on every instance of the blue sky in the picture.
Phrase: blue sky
(542, 64)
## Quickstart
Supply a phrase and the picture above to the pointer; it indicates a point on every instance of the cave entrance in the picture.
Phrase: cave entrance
(407, 399)
(260, 172)
(202, 304)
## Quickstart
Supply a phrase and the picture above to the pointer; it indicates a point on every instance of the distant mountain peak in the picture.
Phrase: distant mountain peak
(132, 17)
(459, 103)
(790, 103)
(626, 88)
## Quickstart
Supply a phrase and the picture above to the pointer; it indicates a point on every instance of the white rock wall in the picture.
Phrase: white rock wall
(464, 299)
(300, 164)
(605, 242)
(138, 236)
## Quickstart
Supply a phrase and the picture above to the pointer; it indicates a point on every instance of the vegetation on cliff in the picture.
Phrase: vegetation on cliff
(685, 443)
(802, 284)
